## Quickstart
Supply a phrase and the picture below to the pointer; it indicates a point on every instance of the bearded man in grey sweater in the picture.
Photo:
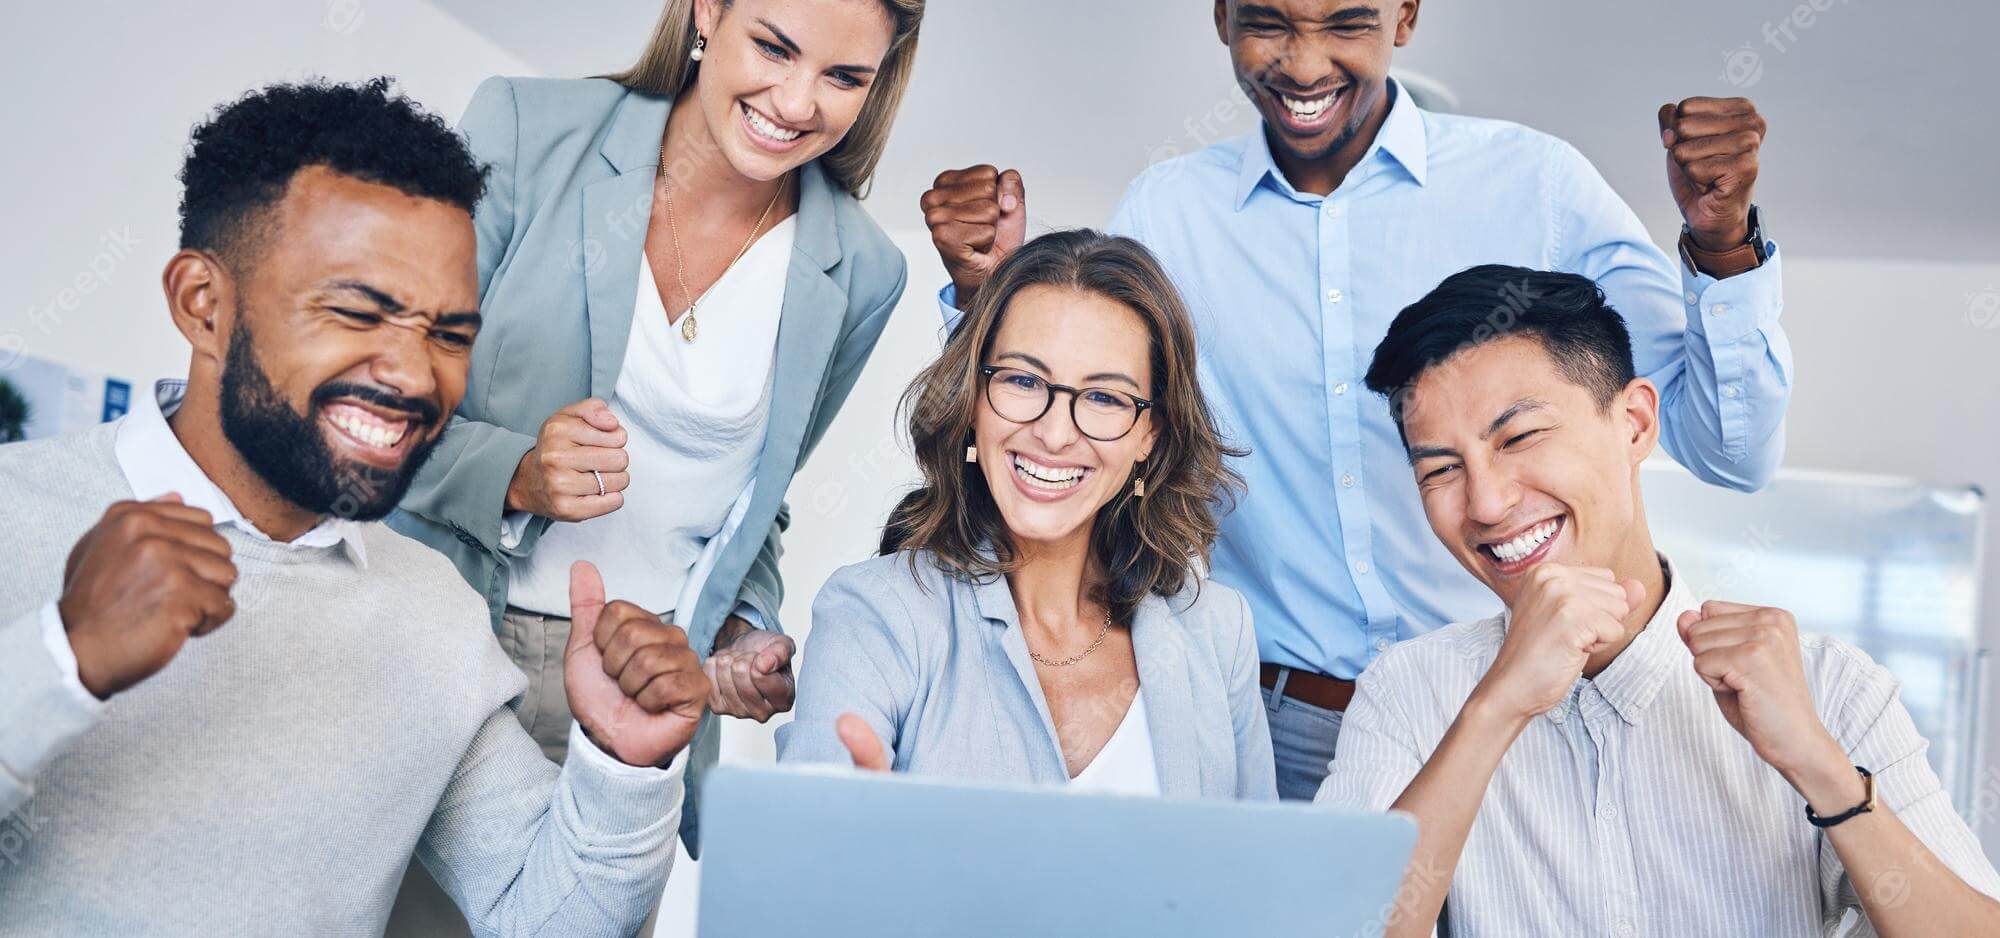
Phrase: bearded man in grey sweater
(231, 702)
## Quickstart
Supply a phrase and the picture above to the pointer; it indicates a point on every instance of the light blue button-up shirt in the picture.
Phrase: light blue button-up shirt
(1291, 292)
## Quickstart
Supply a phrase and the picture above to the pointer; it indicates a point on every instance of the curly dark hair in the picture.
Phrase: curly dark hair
(1145, 545)
(241, 159)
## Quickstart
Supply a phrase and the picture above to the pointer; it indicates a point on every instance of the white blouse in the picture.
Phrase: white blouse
(1125, 765)
(694, 414)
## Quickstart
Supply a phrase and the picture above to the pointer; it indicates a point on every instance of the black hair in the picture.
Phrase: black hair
(1566, 313)
(242, 158)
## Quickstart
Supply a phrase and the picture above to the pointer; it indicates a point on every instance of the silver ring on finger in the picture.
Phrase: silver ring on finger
(599, 476)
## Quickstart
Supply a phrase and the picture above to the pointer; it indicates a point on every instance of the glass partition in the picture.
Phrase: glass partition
(1889, 565)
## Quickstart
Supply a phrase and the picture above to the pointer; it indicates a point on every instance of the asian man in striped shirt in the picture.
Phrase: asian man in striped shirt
(1612, 755)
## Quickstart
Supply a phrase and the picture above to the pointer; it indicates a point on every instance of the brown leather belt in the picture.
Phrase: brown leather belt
(1326, 693)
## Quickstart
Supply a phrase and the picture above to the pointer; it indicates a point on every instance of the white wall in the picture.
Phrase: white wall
(1895, 359)
(104, 97)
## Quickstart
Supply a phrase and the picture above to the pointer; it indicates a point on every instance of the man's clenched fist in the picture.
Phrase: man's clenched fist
(1562, 616)
(1712, 146)
(137, 586)
(1749, 656)
(632, 681)
(977, 217)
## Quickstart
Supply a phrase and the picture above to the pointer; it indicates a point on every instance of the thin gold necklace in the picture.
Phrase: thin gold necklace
(1079, 656)
(688, 328)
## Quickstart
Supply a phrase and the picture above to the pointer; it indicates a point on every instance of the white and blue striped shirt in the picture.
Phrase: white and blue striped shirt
(1633, 808)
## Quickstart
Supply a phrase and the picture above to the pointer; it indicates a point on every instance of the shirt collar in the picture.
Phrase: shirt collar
(1401, 138)
(155, 463)
(1633, 679)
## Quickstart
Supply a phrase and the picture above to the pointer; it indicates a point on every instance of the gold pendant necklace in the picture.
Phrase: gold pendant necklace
(688, 327)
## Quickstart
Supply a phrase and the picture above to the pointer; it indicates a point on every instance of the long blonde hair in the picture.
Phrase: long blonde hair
(665, 69)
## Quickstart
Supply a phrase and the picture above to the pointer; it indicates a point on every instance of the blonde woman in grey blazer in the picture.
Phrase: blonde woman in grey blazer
(1038, 614)
(618, 210)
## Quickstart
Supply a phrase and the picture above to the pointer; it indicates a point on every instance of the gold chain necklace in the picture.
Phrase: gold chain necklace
(688, 328)
(1079, 656)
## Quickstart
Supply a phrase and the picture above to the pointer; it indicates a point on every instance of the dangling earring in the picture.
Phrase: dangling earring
(972, 454)
(700, 43)
(1139, 484)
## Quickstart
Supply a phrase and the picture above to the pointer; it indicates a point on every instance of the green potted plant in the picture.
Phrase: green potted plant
(14, 413)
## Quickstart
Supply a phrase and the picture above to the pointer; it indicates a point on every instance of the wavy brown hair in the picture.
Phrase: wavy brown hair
(1142, 545)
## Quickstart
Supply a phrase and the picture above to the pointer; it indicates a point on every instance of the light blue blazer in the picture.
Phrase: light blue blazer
(562, 231)
(937, 665)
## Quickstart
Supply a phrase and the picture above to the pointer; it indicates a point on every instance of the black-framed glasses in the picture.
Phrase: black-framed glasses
(1103, 414)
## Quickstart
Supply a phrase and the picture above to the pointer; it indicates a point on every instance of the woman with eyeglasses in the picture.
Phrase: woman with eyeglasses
(1038, 612)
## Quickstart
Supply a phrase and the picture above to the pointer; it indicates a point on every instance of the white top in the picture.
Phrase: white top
(1632, 808)
(1125, 765)
(694, 415)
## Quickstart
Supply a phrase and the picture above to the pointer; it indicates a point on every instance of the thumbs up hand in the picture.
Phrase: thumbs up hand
(634, 684)
(863, 746)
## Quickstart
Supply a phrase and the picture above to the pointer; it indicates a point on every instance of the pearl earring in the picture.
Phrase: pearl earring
(695, 53)
(972, 454)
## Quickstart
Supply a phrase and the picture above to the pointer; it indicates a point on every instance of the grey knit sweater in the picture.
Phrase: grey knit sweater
(277, 776)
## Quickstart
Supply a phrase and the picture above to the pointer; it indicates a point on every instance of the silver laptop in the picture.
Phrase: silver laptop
(833, 853)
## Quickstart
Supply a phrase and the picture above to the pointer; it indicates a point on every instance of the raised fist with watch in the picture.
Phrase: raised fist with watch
(1712, 148)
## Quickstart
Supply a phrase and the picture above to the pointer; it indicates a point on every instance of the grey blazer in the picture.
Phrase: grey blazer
(937, 665)
(561, 235)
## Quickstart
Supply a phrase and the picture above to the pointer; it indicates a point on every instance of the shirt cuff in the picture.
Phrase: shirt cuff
(41, 713)
(56, 637)
(1738, 307)
(948, 308)
(514, 527)
(748, 613)
(613, 799)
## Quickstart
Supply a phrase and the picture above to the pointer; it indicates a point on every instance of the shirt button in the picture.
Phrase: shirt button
(1729, 390)
(1347, 480)
(1719, 309)
(1333, 296)
(1624, 927)
(1692, 299)
(1556, 715)
(1382, 645)
(1340, 389)
(1610, 812)
(1361, 567)
(1332, 210)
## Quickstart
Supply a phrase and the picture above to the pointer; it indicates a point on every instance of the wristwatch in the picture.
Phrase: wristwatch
(1867, 804)
(1721, 265)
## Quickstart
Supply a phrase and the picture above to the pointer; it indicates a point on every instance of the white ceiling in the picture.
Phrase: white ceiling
(1883, 135)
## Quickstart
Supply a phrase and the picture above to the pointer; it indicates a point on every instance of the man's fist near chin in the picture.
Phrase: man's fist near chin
(633, 683)
(1562, 616)
(148, 577)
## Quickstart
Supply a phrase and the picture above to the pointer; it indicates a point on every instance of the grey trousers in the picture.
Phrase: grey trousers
(1302, 739)
(536, 644)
